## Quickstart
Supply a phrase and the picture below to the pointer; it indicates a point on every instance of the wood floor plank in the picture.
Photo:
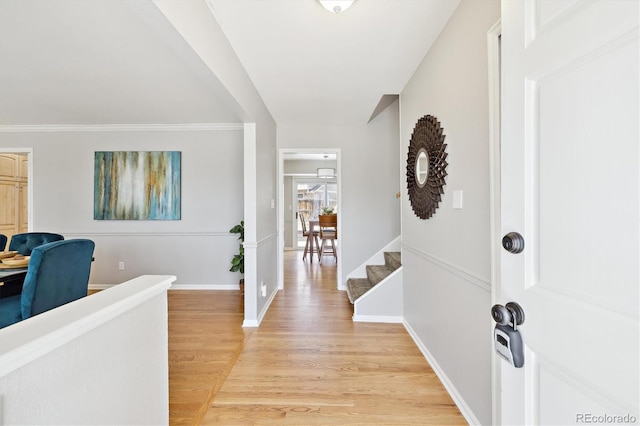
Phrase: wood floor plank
(307, 364)
(205, 339)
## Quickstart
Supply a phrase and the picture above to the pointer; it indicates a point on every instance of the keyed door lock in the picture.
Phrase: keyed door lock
(506, 337)
(509, 314)
(513, 242)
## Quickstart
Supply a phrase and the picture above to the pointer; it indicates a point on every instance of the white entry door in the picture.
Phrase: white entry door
(571, 186)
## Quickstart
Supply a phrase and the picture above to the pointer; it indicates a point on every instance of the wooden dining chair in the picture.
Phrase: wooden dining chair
(328, 224)
(311, 245)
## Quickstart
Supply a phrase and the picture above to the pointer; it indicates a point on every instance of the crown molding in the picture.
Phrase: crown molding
(48, 128)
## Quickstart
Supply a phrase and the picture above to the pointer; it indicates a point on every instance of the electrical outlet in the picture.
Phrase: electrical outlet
(263, 289)
(121, 266)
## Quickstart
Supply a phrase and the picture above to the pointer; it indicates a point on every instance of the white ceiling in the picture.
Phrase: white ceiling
(99, 62)
(313, 66)
(118, 62)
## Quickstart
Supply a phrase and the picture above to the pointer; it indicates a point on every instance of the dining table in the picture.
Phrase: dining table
(11, 281)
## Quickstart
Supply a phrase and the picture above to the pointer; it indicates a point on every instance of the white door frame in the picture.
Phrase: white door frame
(281, 209)
(493, 53)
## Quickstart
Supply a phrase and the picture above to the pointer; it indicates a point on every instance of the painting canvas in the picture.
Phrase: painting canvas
(137, 185)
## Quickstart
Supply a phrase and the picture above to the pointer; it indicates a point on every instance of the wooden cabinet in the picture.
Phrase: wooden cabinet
(8, 205)
(14, 185)
(23, 167)
(9, 166)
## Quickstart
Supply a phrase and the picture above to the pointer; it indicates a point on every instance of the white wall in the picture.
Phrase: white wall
(264, 209)
(199, 28)
(308, 168)
(370, 211)
(446, 259)
(197, 249)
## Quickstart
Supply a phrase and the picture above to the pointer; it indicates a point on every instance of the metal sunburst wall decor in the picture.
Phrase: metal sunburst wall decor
(426, 166)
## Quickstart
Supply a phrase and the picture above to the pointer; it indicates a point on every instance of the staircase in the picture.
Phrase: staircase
(357, 287)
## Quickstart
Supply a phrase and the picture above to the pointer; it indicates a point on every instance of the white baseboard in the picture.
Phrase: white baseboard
(205, 287)
(256, 323)
(178, 286)
(376, 318)
(446, 382)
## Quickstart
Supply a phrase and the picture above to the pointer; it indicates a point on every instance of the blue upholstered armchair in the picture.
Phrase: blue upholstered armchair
(24, 243)
(3, 242)
(58, 273)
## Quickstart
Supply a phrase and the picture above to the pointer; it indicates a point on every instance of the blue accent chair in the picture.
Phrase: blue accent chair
(3, 242)
(24, 243)
(58, 273)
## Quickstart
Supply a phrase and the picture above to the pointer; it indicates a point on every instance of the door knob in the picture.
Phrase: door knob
(511, 313)
(513, 242)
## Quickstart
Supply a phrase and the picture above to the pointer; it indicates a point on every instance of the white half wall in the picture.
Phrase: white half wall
(102, 359)
(446, 259)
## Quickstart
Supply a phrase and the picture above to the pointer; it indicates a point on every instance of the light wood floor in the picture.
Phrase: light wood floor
(307, 364)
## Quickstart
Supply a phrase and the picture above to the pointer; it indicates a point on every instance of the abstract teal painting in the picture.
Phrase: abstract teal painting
(137, 185)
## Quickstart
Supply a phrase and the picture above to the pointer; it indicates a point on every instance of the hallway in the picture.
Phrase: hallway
(307, 363)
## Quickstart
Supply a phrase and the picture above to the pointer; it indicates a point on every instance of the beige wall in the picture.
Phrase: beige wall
(197, 249)
(447, 257)
(201, 31)
(370, 211)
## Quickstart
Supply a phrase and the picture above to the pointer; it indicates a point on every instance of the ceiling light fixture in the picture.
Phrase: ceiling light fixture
(326, 173)
(336, 6)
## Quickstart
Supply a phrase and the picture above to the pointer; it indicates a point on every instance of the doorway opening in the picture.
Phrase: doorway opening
(303, 193)
(311, 195)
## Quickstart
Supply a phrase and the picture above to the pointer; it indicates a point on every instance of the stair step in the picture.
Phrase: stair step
(356, 287)
(392, 259)
(376, 273)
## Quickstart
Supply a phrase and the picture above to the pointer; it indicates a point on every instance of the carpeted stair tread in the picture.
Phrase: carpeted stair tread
(392, 259)
(376, 273)
(356, 287)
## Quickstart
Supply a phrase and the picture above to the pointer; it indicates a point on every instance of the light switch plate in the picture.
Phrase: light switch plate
(457, 199)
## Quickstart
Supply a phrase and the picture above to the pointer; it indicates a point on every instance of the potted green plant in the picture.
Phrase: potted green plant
(237, 263)
(327, 210)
